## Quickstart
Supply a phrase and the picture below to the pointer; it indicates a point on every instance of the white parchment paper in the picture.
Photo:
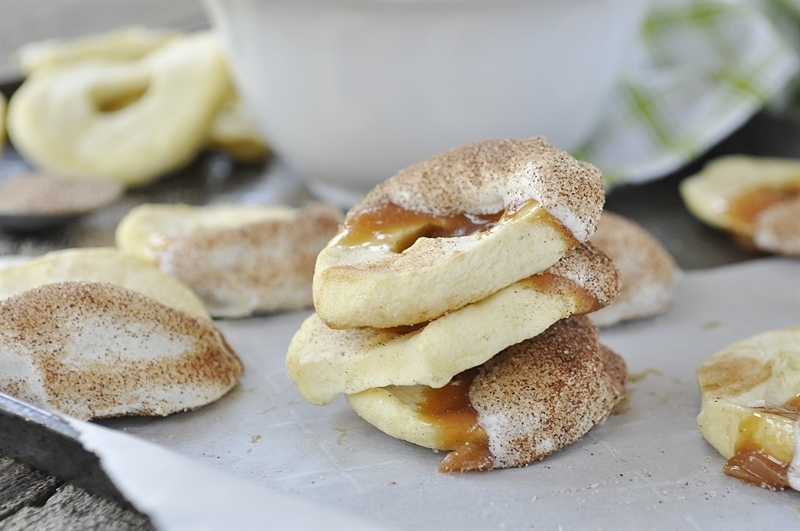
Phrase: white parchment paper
(646, 467)
(178, 492)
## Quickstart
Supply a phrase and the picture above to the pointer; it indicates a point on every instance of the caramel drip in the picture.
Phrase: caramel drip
(748, 206)
(398, 228)
(753, 464)
(469, 457)
(456, 421)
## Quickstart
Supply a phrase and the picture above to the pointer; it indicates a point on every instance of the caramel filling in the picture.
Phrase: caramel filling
(751, 462)
(747, 207)
(449, 409)
(456, 421)
(398, 228)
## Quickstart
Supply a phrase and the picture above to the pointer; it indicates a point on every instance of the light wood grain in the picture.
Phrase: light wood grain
(30, 499)
(21, 485)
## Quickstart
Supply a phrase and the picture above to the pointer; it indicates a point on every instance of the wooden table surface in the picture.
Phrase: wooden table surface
(30, 499)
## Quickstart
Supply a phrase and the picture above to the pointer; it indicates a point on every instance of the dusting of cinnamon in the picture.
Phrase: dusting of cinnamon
(545, 282)
(450, 410)
(734, 376)
(32, 194)
(752, 463)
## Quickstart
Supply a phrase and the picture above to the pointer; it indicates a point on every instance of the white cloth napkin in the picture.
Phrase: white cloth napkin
(702, 68)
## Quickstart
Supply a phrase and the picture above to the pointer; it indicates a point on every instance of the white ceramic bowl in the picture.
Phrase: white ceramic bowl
(348, 93)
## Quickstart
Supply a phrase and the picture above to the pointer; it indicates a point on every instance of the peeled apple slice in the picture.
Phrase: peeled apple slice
(127, 44)
(101, 265)
(751, 408)
(149, 229)
(97, 350)
(734, 193)
(239, 260)
(130, 122)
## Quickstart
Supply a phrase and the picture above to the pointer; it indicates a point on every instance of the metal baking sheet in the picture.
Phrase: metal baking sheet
(647, 466)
